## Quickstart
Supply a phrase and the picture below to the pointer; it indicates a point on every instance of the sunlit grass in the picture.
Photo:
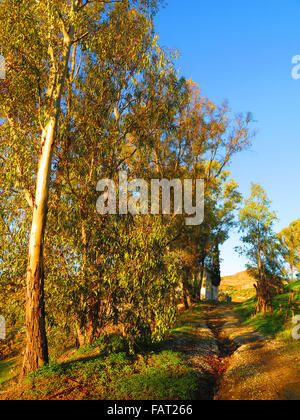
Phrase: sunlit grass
(7, 369)
(107, 371)
(118, 376)
(275, 324)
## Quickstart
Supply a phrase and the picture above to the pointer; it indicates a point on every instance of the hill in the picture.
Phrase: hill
(239, 286)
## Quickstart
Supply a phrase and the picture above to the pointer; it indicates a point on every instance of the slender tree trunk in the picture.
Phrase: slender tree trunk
(186, 304)
(201, 282)
(202, 274)
(80, 338)
(37, 349)
(186, 295)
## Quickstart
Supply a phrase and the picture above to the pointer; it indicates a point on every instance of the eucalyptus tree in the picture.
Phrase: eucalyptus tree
(42, 42)
(200, 146)
(111, 129)
(289, 239)
(89, 92)
(261, 246)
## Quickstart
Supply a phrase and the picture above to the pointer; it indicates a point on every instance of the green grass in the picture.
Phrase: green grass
(271, 324)
(7, 369)
(107, 371)
(236, 294)
(294, 286)
(153, 376)
(188, 322)
(246, 310)
(106, 344)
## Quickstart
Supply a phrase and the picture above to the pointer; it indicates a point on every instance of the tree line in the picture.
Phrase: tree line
(88, 93)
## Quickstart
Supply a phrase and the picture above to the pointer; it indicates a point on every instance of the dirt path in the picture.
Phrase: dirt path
(259, 368)
(234, 362)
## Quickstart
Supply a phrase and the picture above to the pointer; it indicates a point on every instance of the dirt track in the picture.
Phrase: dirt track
(259, 369)
(236, 363)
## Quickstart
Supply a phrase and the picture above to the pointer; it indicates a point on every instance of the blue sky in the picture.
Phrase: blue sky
(242, 51)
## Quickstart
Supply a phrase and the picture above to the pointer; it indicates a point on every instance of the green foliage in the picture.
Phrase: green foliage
(7, 370)
(294, 286)
(289, 239)
(105, 371)
(256, 222)
(271, 324)
(107, 344)
(236, 294)
(261, 246)
(123, 107)
(157, 376)
(246, 310)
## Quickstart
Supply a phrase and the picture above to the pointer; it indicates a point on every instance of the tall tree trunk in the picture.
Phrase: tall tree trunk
(201, 282)
(186, 296)
(37, 349)
(202, 273)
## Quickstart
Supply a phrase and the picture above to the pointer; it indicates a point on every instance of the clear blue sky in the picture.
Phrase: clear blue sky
(242, 51)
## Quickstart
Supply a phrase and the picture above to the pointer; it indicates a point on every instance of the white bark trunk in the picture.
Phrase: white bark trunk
(37, 350)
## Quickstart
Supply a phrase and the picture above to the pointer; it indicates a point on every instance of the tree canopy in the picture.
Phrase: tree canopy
(89, 92)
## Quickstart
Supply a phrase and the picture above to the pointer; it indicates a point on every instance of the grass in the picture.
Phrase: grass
(153, 376)
(271, 324)
(10, 359)
(237, 294)
(106, 344)
(188, 322)
(5, 370)
(107, 371)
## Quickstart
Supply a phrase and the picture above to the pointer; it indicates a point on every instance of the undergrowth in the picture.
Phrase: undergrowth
(277, 323)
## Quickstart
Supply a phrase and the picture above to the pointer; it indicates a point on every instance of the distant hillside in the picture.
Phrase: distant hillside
(240, 286)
